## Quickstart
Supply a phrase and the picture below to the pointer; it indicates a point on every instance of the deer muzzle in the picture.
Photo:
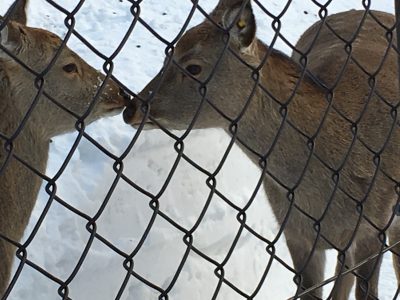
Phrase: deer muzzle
(134, 115)
(115, 99)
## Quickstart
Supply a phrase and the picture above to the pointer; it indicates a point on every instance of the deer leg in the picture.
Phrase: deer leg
(367, 281)
(343, 284)
(6, 260)
(313, 272)
(394, 237)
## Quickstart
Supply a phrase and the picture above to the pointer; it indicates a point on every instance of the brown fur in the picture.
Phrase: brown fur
(289, 168)
(19, 186)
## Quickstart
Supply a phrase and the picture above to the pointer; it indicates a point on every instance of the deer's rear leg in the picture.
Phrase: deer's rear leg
(313, 272)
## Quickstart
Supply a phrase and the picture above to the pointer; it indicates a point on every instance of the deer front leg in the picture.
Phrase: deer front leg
(6, 260)
(367, 282)
(342, 288)
(394, 237)
(313, 272)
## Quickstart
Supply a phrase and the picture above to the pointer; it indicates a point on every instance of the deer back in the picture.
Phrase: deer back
(353, 55)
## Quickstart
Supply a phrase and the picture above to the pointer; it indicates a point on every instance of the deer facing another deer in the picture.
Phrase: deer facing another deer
(330, 151)
(72, 83)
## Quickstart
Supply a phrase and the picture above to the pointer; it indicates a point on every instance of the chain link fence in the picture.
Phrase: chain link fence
(188, 233)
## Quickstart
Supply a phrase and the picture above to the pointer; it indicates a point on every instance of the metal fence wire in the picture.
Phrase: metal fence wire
(129, 259)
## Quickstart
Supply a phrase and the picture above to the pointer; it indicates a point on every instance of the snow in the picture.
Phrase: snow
(62, 237)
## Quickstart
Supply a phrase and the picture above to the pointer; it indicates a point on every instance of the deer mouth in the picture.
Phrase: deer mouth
(116, 104)
(113, 108)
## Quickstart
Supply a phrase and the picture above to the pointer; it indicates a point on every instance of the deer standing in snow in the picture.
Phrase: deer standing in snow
(328, 139)
(72, 83)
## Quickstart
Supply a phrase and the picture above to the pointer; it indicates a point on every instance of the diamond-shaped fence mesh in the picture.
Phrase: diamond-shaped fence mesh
(321, 126)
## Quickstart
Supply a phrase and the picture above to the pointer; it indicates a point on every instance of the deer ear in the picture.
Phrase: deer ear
(11, 37)
(17, 11)
(241, 22)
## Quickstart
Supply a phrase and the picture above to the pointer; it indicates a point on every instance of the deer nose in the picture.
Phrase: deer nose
(129, 113)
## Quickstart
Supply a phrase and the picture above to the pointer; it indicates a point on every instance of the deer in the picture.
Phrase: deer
(57, 102)
(320, 124)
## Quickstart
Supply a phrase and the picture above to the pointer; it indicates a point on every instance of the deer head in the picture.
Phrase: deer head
(69, 81)
(207, 71)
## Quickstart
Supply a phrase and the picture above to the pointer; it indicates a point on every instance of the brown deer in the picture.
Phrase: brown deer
(326, 136)
(72, 83)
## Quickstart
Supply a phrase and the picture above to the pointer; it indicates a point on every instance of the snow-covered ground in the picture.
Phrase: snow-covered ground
(61, 239)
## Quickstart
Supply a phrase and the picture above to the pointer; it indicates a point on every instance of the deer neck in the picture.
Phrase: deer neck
(267, 127)
(29, 142)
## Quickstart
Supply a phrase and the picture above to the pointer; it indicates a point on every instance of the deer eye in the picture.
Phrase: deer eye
(71, 68)
(194, 69)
